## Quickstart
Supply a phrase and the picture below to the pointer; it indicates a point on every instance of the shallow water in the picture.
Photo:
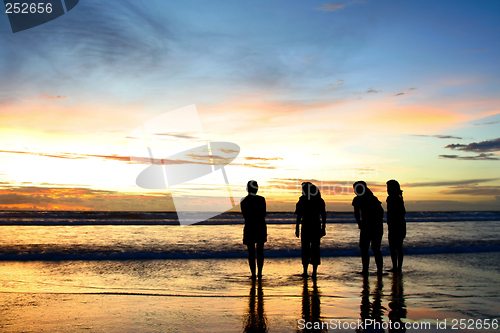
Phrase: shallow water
(120, 242)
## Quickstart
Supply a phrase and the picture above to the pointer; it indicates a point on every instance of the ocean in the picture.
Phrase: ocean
(155, 235)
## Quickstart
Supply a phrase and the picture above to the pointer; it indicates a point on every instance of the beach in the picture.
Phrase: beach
(167, 278)
(208, 295)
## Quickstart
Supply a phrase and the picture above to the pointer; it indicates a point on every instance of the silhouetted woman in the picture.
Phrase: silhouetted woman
(396, 223)
(309, 209)
(369, 214)
(253, 208)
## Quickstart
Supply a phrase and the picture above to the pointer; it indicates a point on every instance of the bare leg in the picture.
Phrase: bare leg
(400, 256)
(315, 270)
(394, 257)
(251, 258)
(260, 258)
(378, 259)
(365, 259)
(306, 254)
(377, 253)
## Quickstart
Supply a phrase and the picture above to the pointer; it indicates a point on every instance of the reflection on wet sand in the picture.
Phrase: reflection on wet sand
(371, 312)
(311, 309)
(256, 320)
(397, 304)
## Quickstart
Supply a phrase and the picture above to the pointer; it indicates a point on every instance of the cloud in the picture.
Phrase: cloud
(46, 96)
(263, 158)
(331, 7)
(196, 159)
(488, 123)
(438, 136)
(368, 91)
(450, 183)
(76, 198)
(480, 157)
(399, 94)
(326, 187)
(483, 146)
(474, 190)
(81, 47)
(339, 83)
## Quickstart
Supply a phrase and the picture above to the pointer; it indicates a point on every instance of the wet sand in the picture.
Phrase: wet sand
(217, 295)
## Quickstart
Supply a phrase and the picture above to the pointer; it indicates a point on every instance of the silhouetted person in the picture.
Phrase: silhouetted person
(369, 214)
(396, 223)
(311, 309)
(397, 305)
(253, 208)
(256, 319)
(309, 209)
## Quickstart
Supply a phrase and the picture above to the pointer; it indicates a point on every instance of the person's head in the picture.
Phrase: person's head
(393, 187)
(360, 188)
(309, 190)
(252, 187)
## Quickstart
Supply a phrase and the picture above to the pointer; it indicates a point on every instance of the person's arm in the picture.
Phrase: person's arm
(357, 215)
(297, 225)
(323, 225)
(265, 208)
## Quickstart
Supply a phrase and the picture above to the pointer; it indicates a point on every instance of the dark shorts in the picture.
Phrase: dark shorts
(310, 251)
(368, 236)
(396, 237)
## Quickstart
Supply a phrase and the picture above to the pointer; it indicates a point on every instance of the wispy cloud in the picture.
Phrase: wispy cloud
(77, 198)
(263, 158)
(476, 147)
(339, 83)
(450, 182)
(480, 157)
(399, 94)
(438, 136)
(331, 7)
(474, 190)
(488, 123)
(46, 96)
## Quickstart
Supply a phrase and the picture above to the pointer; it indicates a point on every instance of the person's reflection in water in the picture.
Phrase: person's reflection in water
(371, 312)
(256, 319)
(397, 304)
(311, 309)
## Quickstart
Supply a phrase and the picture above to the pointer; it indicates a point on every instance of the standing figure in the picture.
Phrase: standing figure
(396, 223)
(309, 209)
(253, 208)
(369, 214)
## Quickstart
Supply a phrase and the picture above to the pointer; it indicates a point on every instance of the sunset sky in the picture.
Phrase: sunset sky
(309, 90)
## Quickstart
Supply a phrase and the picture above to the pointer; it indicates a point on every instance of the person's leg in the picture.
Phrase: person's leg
(394, 257)
(394, 253)
(364, 245)
(306, 252)
(315, 256)
(400, 255)
(377, 253)
(251, 258)
(260, 258)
